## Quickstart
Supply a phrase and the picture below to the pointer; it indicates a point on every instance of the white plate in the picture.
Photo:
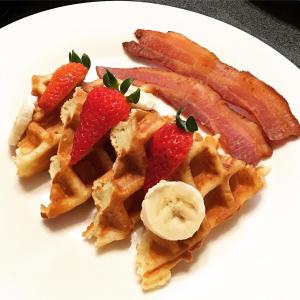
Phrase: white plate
(253, 256)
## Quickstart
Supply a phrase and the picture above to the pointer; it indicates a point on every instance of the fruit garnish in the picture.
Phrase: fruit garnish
(63, 81)
(167, 149)
(110, 81)
(189, 125)
(173, 210)
(85, 60)
(103, 109)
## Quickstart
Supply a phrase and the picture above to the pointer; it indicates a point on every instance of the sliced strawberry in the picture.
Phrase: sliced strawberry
(103, 109)
(168, 148)
(62, 82)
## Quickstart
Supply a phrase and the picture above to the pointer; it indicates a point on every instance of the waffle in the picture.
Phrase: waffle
(41, 137)
(72, 185)
(118, 194)
(89, 86)
(224, 182)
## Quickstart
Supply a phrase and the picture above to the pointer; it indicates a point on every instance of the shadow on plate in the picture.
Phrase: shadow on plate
(78, 215)
(125, 244)
(34, 182)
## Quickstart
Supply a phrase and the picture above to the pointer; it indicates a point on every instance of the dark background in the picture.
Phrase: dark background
(277, 23)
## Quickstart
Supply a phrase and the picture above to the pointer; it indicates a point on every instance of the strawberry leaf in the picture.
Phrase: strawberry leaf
(85, 60)
(125, 85)
(134, 97)
(110, 80)
(73, 57)
(189, 125)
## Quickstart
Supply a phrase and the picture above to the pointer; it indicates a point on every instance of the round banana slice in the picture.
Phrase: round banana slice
(23, 118)
(173, 210)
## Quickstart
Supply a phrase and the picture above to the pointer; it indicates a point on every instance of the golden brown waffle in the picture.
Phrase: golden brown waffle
(89, 86)
(224, 182)
(72, 185)
(41, 137)
(118, 194)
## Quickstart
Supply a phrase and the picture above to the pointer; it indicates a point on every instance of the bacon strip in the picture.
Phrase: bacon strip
(240, 137)
(179, 54)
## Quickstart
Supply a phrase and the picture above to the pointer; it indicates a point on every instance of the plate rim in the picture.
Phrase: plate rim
(136, 3)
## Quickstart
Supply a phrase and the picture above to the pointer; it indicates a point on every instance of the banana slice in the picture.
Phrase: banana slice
(173, 210)
(22, 120)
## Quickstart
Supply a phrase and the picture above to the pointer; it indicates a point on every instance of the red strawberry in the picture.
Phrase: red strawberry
(103, 109)
(63, 81)
(168, 148)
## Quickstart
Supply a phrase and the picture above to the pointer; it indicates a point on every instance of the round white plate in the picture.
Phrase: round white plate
(253, 256)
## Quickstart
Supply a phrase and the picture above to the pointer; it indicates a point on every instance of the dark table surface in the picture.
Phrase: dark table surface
(277, 23)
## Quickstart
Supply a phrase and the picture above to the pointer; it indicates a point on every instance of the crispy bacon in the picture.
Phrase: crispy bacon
(179, 54)
(240, 137)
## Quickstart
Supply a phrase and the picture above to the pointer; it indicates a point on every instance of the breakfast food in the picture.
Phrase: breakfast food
(43, 132)
(84, 151)
(240, 137)
(118, 193)
(62, 83)
(178, 53)
(72, 185)
(173, 210)
(225, 185)
(169, 146)
(103, 109)
(41, 137)
(100, 141)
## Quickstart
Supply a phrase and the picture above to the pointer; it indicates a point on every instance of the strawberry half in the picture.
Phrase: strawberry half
(103, 109)
(168, 148)
(62, 82)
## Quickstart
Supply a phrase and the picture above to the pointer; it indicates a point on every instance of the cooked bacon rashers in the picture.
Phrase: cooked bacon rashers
(240, 137)
(179, 54)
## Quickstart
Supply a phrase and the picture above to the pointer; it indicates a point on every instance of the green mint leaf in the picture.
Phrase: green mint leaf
(110, 80)
(191, 124)
(85, 60)
(125, 85)
(70, 56)
(134, 97)
(74, 57)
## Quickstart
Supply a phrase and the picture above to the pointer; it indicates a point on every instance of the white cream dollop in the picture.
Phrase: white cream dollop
(146, 101)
